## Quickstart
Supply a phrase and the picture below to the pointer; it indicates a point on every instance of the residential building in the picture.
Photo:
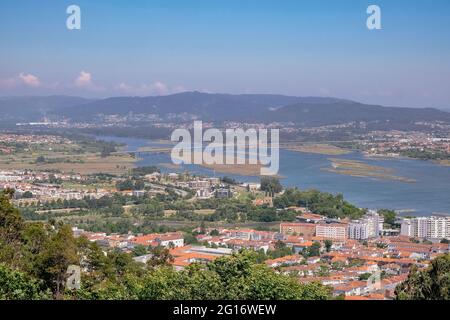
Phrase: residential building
(434, 227)
(358, 230)
(333, 231)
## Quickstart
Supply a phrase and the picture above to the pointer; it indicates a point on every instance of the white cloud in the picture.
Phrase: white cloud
(124, 87)
(29, 80)
(84, 79)
(156, 88)
(22, 78)
(161, 88)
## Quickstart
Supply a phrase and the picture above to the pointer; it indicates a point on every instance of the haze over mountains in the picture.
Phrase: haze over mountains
(310, 111)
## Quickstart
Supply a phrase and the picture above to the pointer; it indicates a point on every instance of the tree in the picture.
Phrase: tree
(125, 185)
(11, 227)
(389, 216)
(15, 285)
(430, 284)
(107, 150)
(40, 160)
(140, 250)
(27, 195)
(214, 233)
(326, 204)
(281, 250)
(323, 271)
(313, 251)
(365, 276)
(52, 263)
(139, 185)
(328, 245)
(271, 185)
(160, 257)
(189, 238)
(34, 240)
(242, 278)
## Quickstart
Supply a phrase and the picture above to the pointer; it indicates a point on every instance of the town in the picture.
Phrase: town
(344, 256)
(308, 235)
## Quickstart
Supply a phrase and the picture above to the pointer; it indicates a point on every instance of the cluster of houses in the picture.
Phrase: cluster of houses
(9, 142)
(361, 271)
(393, 142)
(352, 268)
(359, 263)
(204, 187)
(33, 187)
(183, 255)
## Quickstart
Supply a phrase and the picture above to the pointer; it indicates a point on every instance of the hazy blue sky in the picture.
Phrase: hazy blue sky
(313, 48)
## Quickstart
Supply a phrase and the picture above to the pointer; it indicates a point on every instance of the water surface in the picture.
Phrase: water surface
(430, 194)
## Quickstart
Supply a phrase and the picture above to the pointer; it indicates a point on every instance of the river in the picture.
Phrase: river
(429, 194)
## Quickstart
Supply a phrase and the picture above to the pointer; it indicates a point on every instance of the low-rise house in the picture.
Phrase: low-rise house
(284, 261)
(238, 244)
(174, 239)
(352, 288)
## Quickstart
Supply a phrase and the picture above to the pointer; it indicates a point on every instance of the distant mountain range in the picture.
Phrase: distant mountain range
(311, 111)
(34, 108)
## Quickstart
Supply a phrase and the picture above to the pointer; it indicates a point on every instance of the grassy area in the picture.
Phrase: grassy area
(84, 163)
(445, 163)
(325, 149)
(155, 149)
(83, 187)
(361, 169)
(78, 156)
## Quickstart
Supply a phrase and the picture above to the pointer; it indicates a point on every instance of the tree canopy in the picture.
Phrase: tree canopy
(327, 204)
(430, 284)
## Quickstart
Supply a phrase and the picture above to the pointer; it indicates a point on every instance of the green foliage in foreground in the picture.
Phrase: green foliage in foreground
(430, 284)
(237, 278)
(15, 285)
(34, 258)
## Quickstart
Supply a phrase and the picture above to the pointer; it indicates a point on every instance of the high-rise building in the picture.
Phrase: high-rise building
(434, 227)
(370, 226)
(358, 230)
(372, 218)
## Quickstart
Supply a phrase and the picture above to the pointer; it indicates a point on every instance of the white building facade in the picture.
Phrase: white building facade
(434, 227)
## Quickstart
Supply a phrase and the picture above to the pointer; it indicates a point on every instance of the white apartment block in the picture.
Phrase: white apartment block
(406, 228)
(375, 223)
(331, 231)
(358, 230)
(370, 226)
(434, 227)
